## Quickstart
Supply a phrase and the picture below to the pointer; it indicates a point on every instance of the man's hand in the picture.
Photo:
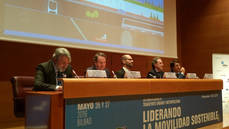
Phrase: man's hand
(182, 70)
(59, 87)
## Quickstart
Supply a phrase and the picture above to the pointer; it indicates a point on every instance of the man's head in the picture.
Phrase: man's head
(175, 66)
(100, 61)
(127, 61)
(157, 64)
(61, 58)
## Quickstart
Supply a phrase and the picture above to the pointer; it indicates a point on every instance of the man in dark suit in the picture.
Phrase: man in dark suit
(127, 62)
(99, 61)
(157, 68)
(175, 67)
(47, 73)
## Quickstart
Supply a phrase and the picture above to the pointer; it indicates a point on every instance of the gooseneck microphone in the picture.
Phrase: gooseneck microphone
(114, 75)
(74, 73)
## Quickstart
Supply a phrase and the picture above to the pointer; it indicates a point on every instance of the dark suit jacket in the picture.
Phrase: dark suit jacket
(45, 78)
(153, 74)
(120, 73)
(94, 68)
(180, 75)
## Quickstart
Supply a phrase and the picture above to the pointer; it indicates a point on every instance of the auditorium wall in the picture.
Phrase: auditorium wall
(21, 59)
(203, 29)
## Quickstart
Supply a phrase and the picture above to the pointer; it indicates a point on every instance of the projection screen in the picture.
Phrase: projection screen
(143, 27)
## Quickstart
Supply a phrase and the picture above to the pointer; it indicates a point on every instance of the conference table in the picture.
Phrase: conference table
(101, 103)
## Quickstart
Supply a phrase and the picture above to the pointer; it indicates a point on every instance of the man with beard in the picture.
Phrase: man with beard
(47, 73)
(127, 62)
(157, 68)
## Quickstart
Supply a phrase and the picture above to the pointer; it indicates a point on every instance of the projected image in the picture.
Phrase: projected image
(133, 25)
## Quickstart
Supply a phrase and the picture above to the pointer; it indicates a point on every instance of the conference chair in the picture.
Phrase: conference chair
(20, 84)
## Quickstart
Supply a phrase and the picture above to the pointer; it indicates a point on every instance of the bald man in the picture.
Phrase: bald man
(127, 62)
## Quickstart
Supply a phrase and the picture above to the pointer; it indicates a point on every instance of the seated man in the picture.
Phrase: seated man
(157, 68)
(99, 61)
(175, 67)
(127, 63)
(47, 73)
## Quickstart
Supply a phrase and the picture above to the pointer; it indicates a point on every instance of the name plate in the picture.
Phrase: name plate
(192, 76)
(96, 74)
(170, 75)
(208, 76)
(133, 74)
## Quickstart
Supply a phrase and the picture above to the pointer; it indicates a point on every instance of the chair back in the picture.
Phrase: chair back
(20, 84)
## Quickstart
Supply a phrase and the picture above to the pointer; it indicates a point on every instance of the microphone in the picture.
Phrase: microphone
(151, 75)
(75, 75)
(114, 74)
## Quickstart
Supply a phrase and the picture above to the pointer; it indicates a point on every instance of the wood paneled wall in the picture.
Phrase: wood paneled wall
(203, 29)
(22, 59)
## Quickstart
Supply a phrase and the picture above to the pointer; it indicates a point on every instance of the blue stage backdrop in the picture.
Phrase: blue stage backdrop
(186, 111)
